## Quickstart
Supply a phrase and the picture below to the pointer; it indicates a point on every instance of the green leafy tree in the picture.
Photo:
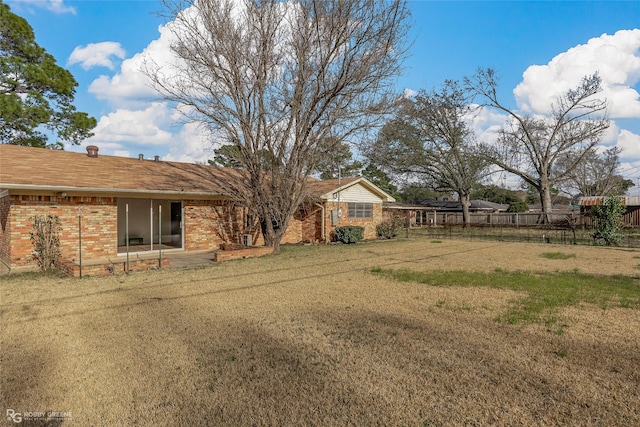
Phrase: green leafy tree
(227, 156)
(504, 196)
(495, 194)
(337, 160)
(415, 193)
(36, 94)
(608, 221)
(518, 206)
(380, 179)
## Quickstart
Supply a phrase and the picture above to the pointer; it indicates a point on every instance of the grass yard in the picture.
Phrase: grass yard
(407, 332)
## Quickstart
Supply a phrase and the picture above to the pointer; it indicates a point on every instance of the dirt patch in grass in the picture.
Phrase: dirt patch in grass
(310, 337)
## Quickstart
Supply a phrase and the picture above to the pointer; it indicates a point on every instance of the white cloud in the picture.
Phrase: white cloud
(486, 123)
(130, 86)
(150, 132)
(409, 93)
(133, 128)
(615, 57)
(190, 145)
(96, 55)
(137, 125)
(58, 6)
(55, 6)
(629, 142)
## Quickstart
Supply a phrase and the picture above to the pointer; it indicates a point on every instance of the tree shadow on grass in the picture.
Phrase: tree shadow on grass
(27, 377)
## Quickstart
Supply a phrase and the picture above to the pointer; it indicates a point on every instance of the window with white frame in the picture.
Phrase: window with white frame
(360, 210)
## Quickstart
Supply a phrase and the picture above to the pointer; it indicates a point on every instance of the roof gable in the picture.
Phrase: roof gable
(325, 189)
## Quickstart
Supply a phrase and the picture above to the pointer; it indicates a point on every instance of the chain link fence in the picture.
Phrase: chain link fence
(536, 234)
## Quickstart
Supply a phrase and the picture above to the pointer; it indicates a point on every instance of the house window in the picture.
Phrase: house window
(360, 210)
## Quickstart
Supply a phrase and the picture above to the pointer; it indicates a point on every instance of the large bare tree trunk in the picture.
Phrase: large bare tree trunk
(546, 203)
(464, 200)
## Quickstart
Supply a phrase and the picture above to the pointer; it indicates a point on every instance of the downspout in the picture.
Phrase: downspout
(322, 234)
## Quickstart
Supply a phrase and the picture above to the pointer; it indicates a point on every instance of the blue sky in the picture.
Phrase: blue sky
(539, 47)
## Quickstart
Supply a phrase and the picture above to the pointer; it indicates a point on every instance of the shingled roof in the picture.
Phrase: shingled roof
(40, 169)
(30, 168)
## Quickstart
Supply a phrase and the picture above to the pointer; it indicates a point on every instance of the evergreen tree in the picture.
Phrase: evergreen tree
(380, 179)
(36, 94)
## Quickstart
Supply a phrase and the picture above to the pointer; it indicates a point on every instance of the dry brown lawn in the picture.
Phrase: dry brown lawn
(311, 337)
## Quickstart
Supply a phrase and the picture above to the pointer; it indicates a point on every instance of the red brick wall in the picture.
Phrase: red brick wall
(312, 227)
(369, 224)
(409, 216)
(294, 231)
(118, 266)
(305, 226)
(207, 224)
(99, 225)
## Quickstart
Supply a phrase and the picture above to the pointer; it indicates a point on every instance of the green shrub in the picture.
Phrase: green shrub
(46, 241)
(349, 233)
(390, 229)
(518, 206)
(608, 221)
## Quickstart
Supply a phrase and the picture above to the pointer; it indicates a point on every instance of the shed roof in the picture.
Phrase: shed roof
(450, 205)
(599, 200)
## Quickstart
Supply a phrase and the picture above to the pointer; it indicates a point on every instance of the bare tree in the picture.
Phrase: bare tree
(430, 138)
(544, 151)
(597, 175)
(282, 77)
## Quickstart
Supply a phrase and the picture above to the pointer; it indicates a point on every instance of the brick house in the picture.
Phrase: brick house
(339, 202)
(162, 207)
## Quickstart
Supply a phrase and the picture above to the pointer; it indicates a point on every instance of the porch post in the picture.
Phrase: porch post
(126, 232)
(160, 235)
(80, 238)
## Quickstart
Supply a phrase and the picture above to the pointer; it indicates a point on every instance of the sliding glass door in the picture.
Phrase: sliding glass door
(151, 224)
